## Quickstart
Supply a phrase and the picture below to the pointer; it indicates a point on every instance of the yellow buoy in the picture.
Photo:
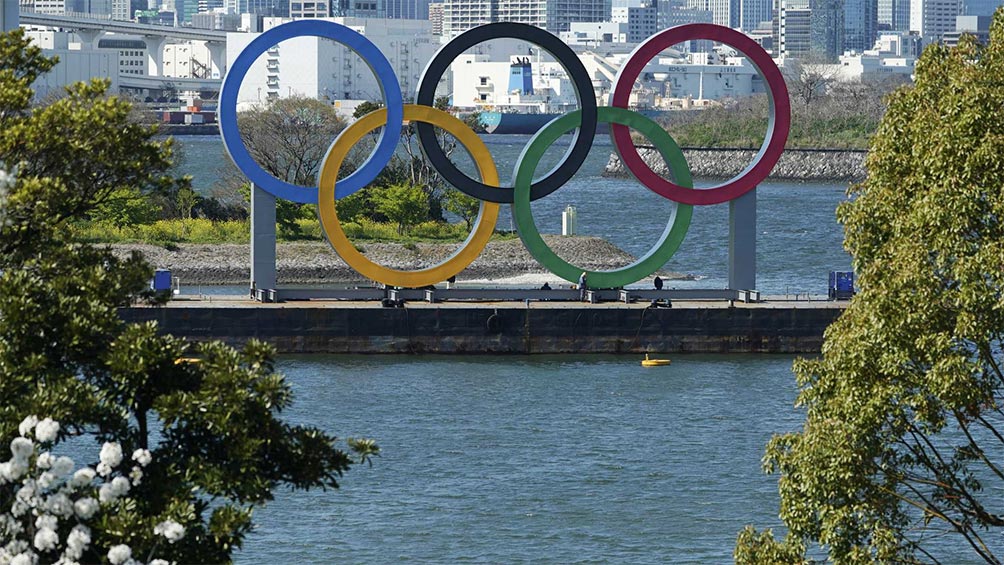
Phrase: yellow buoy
(646, 362)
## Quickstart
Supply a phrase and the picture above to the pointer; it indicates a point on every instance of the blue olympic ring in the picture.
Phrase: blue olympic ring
(377, 62)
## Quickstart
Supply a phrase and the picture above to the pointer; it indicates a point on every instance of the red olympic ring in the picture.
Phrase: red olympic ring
(777, 129)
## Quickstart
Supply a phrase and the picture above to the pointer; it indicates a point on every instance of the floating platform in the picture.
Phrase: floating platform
(504, 327)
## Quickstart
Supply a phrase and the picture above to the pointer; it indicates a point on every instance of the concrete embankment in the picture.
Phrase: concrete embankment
(795, 164)
(317, 263)
(512, 328)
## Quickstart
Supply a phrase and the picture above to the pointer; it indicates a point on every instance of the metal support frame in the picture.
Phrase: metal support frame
(262, 239)
(742, 242)
(742, 268)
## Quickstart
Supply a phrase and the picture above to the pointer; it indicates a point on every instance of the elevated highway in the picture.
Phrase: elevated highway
(90, 29)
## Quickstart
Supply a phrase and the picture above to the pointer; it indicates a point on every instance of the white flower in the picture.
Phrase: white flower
(60, 505)
(22, 448)
(136, 476)
(9, 527)
(82, 477)
(15, 469)
(119, 554)
(85, 508)
(18, 509)
(5, 474)
(104, 470)
(121, 485)
(27, 425)
(44, 460)
(27, 558)
(46, 522)
(110, 492)
(111, 454)
(170, 529)
(18, 546)
(142, 456)
(62, 466)
(27, 492)
(107, 493)
(159, 562)
(47, 430)
(46, 539)
(46, 480)
(77, 542)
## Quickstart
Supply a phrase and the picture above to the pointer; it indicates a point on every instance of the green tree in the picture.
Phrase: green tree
(288, 138)
(365, 108)
(404, 204)
(213, 426)
(467, 207)
(904, 429)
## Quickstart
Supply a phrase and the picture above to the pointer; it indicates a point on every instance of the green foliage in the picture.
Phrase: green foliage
(464, 206)
(845, 117)
(287, 213)
(213, 426)
(126, 207)
(402, 204)
(186, 200)
(754, 548)
(197, 230)
(903, 438)
(365, 108)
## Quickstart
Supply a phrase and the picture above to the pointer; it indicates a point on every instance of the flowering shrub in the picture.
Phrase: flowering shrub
(219, 447)
(50, 513)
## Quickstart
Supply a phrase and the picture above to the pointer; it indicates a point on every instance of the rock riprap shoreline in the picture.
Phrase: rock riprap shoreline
(316, 262)
(795, 164)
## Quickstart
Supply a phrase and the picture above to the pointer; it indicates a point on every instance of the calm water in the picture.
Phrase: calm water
(586, 459)
(799, 239)
(529, 459)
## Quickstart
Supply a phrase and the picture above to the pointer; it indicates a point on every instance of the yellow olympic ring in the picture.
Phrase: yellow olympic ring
(468, 251)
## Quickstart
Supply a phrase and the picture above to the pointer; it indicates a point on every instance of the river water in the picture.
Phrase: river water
(586, 459)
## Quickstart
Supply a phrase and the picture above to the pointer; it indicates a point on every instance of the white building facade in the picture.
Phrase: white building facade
(318, 68)
(931, 19)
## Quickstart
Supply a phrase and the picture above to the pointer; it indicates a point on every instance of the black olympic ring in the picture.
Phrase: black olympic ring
(583, 137)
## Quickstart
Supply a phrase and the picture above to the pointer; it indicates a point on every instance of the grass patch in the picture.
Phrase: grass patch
(168, 232)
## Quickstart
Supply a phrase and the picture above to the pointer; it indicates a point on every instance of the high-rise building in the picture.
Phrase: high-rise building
(792, 22)
(977, 26)
(724, 12)
(359, 8)
(979, 7)
(826, 28)
(860, 25)
(206, 6)
(309, 9)
(461, 15)
(96, 8)
(672, 13)
(436, 18)
(809, 28)
(641, 17)
(57, 7)
(121, 10)
(553, 15)
(752, 13)
(893, 15)
(277, 8)
(933, 18)
(407, 9)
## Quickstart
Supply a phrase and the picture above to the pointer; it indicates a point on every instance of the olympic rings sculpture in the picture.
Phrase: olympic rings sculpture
(584, 122)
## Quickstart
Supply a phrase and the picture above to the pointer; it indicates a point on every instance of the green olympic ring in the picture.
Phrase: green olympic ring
(676, 228)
